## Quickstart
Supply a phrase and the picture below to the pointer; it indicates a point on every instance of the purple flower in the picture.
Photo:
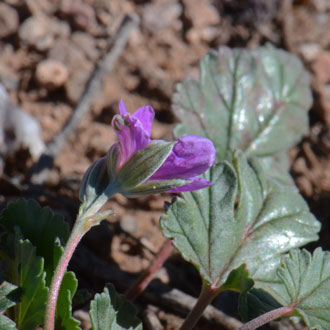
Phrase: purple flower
(190, 156)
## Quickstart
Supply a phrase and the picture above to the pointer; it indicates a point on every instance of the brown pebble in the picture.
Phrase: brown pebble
(51, 74)
(321, 67)
(82, 14)
(41, 31)
(8, 20)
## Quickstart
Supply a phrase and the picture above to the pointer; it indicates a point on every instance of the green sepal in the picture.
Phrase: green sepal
(142, 165)
(94, 182)
(155, 187)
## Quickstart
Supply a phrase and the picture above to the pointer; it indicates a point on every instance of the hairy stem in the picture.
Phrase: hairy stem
(143, 281)
(265, 318)
(208, 293)
(77, 233)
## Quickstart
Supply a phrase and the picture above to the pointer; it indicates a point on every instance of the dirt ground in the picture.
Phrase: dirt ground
(49, 48)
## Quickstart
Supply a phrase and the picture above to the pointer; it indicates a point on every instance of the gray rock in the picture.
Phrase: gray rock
(18, 128)
(40, 31)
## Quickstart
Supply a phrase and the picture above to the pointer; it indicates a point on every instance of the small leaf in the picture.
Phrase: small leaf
(9, 295)
(217, 236)
(32, 282)
(260, 98)
(26, 268)
(305, 284)
(46, 231)
(238, 280)
(112, 311)
(256, 302)
(6, 323)
(63, 319)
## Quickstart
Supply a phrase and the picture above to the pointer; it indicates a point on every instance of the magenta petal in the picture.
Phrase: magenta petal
(145, 115)
(122, 107)
(191, 156)
(131, 134)
(198, 183)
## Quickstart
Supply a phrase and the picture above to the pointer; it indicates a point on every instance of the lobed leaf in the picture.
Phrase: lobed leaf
(217, 236)
(255, 302)
(47, 233)
(26, 270)
(254, 101)
(9, 295)
(6, 323)
(45, 230)
(112, 311)
(305, 283)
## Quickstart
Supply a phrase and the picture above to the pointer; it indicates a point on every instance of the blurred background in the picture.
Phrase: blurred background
(49, 49)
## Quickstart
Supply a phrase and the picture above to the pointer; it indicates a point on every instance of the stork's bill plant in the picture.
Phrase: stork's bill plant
(238, 218)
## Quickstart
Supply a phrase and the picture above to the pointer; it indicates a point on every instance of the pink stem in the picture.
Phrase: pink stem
(208, 293)
(143, 281)
(75, 237)
(265, 318)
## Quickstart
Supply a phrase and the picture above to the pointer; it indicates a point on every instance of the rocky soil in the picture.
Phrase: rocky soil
(48, 51)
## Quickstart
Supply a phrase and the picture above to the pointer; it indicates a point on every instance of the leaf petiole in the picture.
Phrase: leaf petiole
(267, 317)
(142, 282)
(208, 293)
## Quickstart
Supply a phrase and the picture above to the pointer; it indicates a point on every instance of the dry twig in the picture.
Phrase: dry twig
(156, 293)
(182, 303)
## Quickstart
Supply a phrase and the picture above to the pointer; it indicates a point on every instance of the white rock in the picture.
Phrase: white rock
(25, 129)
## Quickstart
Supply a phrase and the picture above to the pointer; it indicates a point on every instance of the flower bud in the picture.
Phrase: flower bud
(138, 166)
(94, 182)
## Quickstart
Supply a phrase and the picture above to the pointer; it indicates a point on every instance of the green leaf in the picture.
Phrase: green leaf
(255, 101)
(46, 231)
(27, 270)
(197, 221)
(238, 280)
(217, 236)
(64, 320)
(278, 166)
(256, 302)
(9, 295)
(305, 284)
(6, 323)
(112, 311)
